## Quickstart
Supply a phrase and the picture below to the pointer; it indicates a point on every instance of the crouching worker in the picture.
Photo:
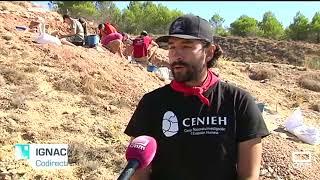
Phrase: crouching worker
(84, 25)
(76, 36)
(105, 29)
(113, 42)
(144, 48)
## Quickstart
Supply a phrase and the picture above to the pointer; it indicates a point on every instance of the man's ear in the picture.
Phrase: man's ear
(210, 52)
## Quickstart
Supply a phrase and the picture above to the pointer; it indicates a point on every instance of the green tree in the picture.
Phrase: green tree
(136, 17)
(77, 8)
(152, 17)
(244, 26)
(85, 9)
(286, 34)
(159, 18)
(222, 31)
(299, 29)
(147, 16)
(315, 26)
(216, 21)
(270, 26)
(132, 17)
(107, 10)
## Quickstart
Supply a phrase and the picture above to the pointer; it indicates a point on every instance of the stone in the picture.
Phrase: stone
(268, 174)
(264, 80)
(2, 81)
(275, 65)
(283, 135)
(7, 28)
(301, 68)
(277, 177)
(25, 55)
(7, 37)
(12, 171)
(291, 177)
(263, 172)
(5, 176)
(29, 135)
(110, 108)
(3, 170)
(270, 169)
(56, 57)
(16, 47)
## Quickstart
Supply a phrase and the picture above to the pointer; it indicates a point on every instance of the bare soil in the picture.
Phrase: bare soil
(85, 97)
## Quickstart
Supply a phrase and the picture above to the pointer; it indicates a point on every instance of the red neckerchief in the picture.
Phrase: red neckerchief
(197, 91)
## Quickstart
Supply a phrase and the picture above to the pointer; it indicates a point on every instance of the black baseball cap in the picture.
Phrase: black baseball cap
(189, 27)
(144, 33)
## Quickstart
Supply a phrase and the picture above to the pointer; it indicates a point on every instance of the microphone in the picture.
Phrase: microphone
(139, 155)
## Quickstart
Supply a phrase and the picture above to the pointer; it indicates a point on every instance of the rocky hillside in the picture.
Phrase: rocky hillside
(84, 97)
(265, 50)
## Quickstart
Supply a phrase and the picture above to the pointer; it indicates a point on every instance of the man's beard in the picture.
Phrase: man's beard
(191, 73)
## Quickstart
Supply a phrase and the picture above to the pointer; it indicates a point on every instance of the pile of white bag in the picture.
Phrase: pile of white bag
(44, 38)
(305, 133)
(164, 73)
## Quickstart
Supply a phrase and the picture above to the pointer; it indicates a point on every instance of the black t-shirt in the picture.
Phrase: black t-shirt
(197, 142)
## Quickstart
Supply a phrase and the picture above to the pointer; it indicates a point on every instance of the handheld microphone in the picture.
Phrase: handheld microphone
(139, 154)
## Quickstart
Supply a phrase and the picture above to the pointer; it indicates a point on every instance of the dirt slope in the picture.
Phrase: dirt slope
(266, 50)
(85, 97)
(61, 94)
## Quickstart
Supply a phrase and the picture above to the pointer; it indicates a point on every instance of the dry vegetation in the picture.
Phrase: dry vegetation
(315, 106)
(310, 81)
(312, 62)
(255, 49)
(261, 74)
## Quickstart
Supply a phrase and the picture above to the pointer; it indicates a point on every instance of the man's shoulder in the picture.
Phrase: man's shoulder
(77, 22)
(148, 39)
(234, 90)
(159, 92)
(233, 93)
(110, 26)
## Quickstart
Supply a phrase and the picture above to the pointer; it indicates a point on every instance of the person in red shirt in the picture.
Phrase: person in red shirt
(113, 42)
(109, 28)
(106, 29)
(144, 48)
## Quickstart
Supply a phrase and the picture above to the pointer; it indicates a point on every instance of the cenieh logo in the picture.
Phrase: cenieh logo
(43, 156)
